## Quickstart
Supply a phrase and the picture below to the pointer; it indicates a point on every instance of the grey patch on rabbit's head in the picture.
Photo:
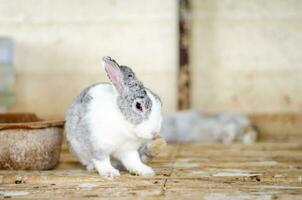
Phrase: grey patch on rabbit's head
(134, 103)
(132, 99)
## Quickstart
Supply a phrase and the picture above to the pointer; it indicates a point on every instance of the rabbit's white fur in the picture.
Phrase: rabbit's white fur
(111, 135)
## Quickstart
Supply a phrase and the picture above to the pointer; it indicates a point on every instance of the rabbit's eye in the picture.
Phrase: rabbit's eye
(138, 106)
(130, 76)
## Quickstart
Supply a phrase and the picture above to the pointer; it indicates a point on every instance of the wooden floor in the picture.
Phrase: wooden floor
(213, 171)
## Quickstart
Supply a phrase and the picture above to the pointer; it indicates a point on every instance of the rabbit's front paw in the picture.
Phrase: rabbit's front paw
(109, 172)
(133, 164)
(142, 170)
(90, 167)
(105, 168)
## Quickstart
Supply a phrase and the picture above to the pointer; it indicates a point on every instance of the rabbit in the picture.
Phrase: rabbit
(110, 122)
(192, 126)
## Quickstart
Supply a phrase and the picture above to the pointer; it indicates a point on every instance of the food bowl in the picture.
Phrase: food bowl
(28, 142)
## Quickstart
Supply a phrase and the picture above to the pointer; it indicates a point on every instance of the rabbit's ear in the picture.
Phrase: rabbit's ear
(114, 73)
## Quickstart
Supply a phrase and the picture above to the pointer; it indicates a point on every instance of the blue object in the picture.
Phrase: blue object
(7, 75)
(6, 51)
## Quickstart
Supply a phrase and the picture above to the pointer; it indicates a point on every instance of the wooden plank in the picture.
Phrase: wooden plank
(195, 171)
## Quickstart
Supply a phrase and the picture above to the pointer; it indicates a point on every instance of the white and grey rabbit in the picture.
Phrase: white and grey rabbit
(109, 122)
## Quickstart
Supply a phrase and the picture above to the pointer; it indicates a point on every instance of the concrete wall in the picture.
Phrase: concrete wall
(59, 44)
(247, 55)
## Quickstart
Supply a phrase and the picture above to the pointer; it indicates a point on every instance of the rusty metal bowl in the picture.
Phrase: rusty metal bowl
(28, 142)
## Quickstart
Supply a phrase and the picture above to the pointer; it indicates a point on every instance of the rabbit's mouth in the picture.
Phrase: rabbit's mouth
(154, 135)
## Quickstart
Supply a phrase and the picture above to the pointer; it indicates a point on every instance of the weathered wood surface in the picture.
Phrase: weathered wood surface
(213, 171)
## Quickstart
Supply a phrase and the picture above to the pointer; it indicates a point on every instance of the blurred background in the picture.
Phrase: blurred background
(226, 55)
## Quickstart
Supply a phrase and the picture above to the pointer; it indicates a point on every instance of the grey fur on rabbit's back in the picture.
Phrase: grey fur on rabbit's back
(76, 124)
(111, 121)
